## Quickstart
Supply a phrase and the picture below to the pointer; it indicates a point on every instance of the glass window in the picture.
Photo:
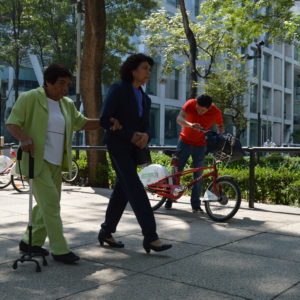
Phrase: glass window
(287, 107)
(151, 87)
(277, 105)
(172, 129)
(155, 124)
(253, 133)
(253, 98)
(266, 109)
(254, 62)
(197, 7)
(173, 2)
(267, 67)
(288, 75)
(266, 131)
(278, 70)
(296, 52)
(172, 85)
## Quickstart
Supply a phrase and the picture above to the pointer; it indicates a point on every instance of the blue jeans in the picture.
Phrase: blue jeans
(198, 155)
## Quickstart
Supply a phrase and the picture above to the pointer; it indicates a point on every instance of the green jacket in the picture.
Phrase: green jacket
(30, 112)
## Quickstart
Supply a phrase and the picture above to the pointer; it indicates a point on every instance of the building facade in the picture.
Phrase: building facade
(274, 92)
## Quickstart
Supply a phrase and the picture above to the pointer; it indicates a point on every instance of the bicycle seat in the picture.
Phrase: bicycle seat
(170, 152)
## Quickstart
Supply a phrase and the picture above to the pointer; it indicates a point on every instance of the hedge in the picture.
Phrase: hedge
(277, 178)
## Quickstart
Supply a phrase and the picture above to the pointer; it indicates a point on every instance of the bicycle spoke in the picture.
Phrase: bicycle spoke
(228, 203)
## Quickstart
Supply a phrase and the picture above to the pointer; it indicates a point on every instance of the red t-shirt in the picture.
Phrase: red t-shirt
(212, 116)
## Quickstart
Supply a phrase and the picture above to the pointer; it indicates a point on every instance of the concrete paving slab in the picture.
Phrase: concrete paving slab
(55, 281)
(253, 256)
(8, 250)
(271, 245)
(206, 234)
(292, 293)
(291, 229)
(13, 227)
(133, 257)
(244, 275)
(139, 286)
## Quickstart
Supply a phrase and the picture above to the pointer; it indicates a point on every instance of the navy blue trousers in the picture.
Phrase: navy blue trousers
(128, 188)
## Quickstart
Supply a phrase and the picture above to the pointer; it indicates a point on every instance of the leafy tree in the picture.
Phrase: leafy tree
(211, 41)
(109, 27)
(14, 39)
(51, 26)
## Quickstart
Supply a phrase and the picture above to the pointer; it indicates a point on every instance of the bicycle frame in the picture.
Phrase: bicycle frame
(176, 190)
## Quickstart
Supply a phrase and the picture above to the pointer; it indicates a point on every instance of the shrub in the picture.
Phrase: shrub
(276, 176)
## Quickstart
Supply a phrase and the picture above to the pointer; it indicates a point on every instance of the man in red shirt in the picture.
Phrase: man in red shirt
(194, 115)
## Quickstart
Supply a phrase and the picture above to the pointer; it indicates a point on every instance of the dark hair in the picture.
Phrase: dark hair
(54, 71)
(131, 63)
(204, 100)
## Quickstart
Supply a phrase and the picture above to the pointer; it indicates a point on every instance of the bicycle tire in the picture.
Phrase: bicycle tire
(156, 201)
(22, 186)
(225, 208)
(74, 173)
(5, 179)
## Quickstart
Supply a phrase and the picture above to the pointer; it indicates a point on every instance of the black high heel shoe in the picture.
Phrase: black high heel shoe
(148, 247)
(103, 237)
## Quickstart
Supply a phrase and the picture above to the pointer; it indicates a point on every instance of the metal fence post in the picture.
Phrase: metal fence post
(251, 178)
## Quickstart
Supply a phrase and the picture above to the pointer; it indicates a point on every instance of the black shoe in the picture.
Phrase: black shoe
(34, 249)
(168, 204)
(163, 247)
(103, 237)
(197, 209)
(69, 258)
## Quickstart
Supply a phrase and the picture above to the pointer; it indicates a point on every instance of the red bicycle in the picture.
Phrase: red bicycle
(222, 199)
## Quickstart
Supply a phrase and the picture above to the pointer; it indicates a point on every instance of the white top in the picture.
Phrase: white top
(55, 135)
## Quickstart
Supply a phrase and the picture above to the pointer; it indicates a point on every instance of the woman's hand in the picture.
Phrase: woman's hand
(116, 124)
(28, 146)
(140, 139)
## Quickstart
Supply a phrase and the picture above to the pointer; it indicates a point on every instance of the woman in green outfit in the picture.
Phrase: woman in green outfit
(43, 121)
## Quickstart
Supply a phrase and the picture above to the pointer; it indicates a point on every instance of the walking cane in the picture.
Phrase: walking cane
(28, 256)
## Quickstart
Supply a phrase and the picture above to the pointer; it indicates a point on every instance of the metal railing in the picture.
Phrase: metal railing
(251, 150)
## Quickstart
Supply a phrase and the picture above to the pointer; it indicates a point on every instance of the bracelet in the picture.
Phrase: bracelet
(26, 142)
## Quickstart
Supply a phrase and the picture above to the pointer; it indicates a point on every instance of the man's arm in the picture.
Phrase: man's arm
(181, 120)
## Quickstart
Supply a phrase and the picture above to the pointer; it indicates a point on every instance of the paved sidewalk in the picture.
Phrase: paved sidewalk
(256, 255)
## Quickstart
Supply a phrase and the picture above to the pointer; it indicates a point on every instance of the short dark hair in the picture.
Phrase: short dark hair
(204, 100)
(54, 71)
(131, 63)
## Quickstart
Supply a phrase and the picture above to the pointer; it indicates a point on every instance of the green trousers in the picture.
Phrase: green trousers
(46, 220)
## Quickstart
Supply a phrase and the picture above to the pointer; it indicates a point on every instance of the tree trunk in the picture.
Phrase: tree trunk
(94, 42)
(192, 51)
(17, 75)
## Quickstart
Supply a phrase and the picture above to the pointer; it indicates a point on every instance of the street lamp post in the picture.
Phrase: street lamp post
(259, 71)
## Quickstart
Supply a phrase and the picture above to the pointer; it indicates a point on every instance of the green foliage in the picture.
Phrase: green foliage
(123, 20)
(276, 177)
(220, 30)
(227, 88)
(48, 29)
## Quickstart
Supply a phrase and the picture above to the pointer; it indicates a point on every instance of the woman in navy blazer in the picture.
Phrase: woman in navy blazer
(127, 102)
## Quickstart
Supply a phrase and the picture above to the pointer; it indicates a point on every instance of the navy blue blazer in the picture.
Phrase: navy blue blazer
(120, 103)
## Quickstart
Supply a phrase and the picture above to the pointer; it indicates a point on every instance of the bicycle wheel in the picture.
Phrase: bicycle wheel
(22, 186)
(228, 204)
(4, 179)
(74, 173)
(156, 201)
